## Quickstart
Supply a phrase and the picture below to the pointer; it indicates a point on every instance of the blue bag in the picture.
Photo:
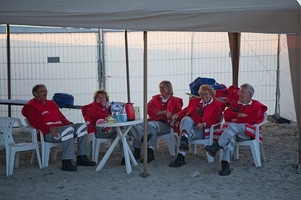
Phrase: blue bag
(195, 85)
(63, 100)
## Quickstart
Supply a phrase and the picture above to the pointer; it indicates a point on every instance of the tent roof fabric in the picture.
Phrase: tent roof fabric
(264, 16)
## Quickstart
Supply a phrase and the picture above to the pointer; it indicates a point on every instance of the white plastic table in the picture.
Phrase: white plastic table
(121, 135)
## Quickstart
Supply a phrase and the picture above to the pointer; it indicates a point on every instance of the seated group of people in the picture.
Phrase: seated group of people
(164, 111)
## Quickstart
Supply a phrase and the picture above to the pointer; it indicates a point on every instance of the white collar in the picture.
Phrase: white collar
(165, 100)
(244, 104)
(205, 104)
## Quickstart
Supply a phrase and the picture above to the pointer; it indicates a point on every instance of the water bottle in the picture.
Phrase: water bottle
(113, 110)
(118, 113)
(123, 114)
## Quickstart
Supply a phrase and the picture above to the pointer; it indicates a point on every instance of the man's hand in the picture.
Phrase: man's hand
(200, 125)
(161, 112)
(53, 130)
(242, 115)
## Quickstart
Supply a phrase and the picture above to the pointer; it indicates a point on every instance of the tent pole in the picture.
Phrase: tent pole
(127, 65)
(234, 42)
(277, 110)
(8, 67)
(294, 50)
(101, 67)
(145, 174)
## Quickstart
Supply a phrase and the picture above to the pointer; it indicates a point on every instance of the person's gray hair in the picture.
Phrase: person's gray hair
(36, 88)
(249, 88)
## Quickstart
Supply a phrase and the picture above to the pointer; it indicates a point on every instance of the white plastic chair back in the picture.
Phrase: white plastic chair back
(207, 141)
(170, 140)
(12, 149)
(96, 144)
(47, 148)
(256, 145)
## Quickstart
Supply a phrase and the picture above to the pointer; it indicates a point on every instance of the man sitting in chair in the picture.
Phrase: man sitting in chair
(241, 115)
(45, 115)
(200, 113)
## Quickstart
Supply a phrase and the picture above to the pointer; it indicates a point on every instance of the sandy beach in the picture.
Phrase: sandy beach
(276, 179)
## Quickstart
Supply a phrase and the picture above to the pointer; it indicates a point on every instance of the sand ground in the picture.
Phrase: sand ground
(276, 179)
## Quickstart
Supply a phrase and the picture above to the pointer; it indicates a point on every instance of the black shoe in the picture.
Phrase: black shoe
(184, 143)
(84, 161)
(68, 165)
(122, 161)
(212, 149)
(180, 160)
(137, 153)
(225, 169)
(150, 155)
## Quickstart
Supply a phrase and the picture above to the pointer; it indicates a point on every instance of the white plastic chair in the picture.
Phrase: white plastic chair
(96, 144)
(206, 141)
(256, 145)
(47, 148)
(13, 149)
(169, 138)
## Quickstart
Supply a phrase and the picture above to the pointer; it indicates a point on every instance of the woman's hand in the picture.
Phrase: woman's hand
(168, 114)
(174, 117)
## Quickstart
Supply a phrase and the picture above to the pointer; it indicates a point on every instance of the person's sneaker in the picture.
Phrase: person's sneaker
(212, 149)
(225, 169)
(137, 153)
(68, 165)
(84, 161)
(180, 160)
(184, 143)
(150, 155)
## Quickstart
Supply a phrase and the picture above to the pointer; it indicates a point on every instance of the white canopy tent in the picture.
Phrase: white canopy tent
(233, 16)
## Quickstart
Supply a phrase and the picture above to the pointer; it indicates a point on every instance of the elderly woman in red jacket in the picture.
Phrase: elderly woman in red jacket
(199, 114)
(159, 109)
(98, 109)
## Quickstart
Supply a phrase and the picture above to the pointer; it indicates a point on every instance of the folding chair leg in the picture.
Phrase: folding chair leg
(210, 159)
(17, 159)
(262, 152)
(256, 155)
(236, 152)
(54, 153)
(171, 147)
(194, 149)
(32, 156)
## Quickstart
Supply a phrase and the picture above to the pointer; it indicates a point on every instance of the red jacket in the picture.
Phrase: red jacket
(255, 113)
(93, 112)
(42, 117)
(212, 113)
(174, 105)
